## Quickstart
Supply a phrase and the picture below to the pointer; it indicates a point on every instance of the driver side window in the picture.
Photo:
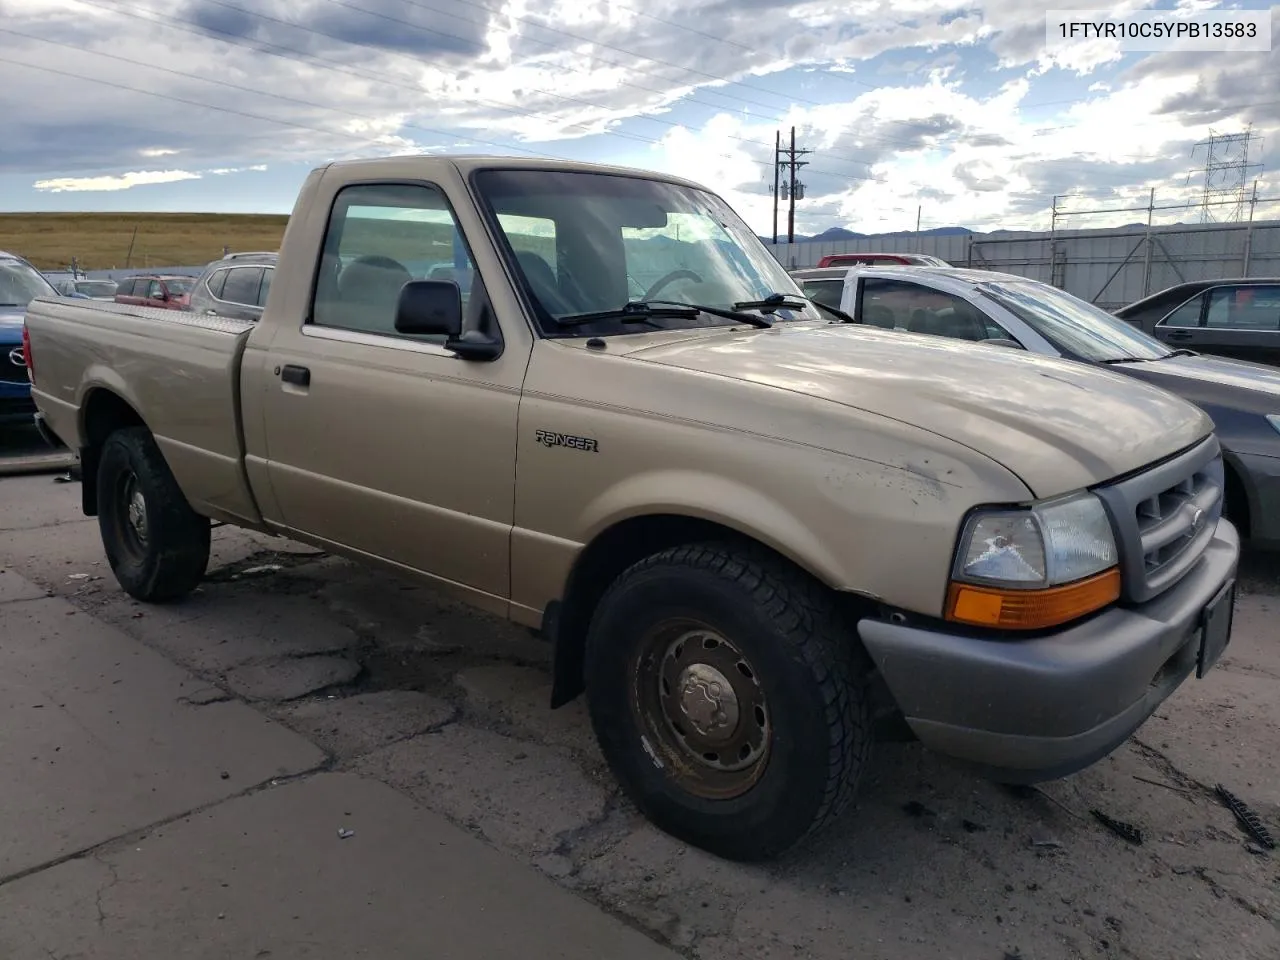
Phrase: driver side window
(380, 237)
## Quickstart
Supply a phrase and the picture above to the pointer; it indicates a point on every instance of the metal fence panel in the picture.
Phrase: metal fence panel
(1108, 267)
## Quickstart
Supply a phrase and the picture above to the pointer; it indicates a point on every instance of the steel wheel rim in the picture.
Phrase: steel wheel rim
(133, 515)
(702, 708)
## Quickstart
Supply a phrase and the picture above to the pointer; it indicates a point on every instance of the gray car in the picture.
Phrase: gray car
(1237, 318)
(1013, 312)
(235, 286)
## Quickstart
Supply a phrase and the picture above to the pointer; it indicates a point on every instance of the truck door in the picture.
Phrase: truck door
(389, 443)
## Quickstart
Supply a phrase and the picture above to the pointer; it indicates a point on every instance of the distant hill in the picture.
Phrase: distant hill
(839, 234)
(103, 241)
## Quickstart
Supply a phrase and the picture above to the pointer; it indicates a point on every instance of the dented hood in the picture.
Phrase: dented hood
(1056, 424)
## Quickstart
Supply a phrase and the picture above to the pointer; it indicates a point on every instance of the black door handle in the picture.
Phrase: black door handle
(1178, 335)
(295, 374)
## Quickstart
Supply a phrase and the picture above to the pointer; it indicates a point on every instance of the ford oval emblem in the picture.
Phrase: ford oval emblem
(16, 357)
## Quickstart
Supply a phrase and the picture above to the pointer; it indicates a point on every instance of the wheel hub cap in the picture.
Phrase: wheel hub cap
(703, 708)
(137, 513)
(708, 702)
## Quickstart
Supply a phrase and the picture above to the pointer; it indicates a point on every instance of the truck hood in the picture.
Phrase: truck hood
(1056, 424)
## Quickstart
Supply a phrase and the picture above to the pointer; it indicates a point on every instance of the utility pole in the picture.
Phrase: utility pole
(1248, 232)
(1146, 266)
(777, 170)
(793, 187)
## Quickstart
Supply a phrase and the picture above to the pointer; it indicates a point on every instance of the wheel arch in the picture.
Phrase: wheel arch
(617, 547)
(1238, 505)
(103, 412)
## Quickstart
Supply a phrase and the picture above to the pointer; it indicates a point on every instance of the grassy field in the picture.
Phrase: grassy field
(101, 241)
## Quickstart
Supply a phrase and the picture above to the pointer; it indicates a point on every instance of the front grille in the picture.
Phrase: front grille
(1165, 517)
(13, 368)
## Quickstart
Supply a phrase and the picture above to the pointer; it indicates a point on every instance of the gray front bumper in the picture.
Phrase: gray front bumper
(1042, 708)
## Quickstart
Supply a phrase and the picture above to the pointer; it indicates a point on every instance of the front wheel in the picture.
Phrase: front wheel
(156, 545)
(727, 699)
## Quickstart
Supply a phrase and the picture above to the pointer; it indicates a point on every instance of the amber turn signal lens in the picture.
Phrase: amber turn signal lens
(1031, 609)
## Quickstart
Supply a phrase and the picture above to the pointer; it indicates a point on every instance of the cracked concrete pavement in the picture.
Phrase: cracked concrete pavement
(421, 700)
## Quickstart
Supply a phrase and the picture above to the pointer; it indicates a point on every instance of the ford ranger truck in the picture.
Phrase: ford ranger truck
(754, 534)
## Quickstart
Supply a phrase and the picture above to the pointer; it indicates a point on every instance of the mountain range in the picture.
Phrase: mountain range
(835, 234)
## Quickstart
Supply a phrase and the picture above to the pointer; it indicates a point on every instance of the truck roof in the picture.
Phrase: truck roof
(468, 162)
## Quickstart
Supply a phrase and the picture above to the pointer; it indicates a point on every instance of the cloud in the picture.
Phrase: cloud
(123, 181)
(226, 171)
(939, 104)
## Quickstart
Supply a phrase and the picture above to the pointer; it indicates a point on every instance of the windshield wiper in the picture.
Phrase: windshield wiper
(637, 311)
(774, 301)
(788, 301)
(645, 311)
(735, 314)
(1180, 352)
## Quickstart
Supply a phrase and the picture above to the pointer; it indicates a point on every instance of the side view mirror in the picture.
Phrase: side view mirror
(434, 308)
(1003, 342)
(430, 307)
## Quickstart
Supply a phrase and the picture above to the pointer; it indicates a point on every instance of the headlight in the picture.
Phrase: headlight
(1274, 420)
(1035, 567)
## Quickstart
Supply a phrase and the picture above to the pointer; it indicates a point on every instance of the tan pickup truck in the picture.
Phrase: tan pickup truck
(589, 400)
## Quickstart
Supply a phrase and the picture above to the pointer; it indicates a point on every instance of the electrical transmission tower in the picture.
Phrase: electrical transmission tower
(1226, 175)
(790, 187)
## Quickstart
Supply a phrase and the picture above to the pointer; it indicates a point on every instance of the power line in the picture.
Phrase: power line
(189, 27)
(450, 134)
(262, 93)
(246, 114)
(628, 65)
(513, 110)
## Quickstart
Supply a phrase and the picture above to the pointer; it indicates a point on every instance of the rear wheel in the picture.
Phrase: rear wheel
(727, 699)
(156, 545)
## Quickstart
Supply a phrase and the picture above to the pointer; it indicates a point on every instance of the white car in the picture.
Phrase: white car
(1243, 399)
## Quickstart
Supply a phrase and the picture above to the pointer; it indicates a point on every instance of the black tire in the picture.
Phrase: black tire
(166, 557)
(804, 683)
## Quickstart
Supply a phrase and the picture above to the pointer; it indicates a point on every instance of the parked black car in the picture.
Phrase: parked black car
(235, 286)
(1238, 318)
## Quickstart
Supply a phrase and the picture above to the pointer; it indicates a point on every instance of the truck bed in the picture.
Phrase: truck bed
(179, 372)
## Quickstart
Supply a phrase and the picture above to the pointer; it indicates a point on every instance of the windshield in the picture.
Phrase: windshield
(96, 288)
(21, 283)
(1071, 324)
(592, 242)
(176, 285)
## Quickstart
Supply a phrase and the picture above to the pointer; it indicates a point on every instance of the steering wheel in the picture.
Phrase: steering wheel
(671, 277)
